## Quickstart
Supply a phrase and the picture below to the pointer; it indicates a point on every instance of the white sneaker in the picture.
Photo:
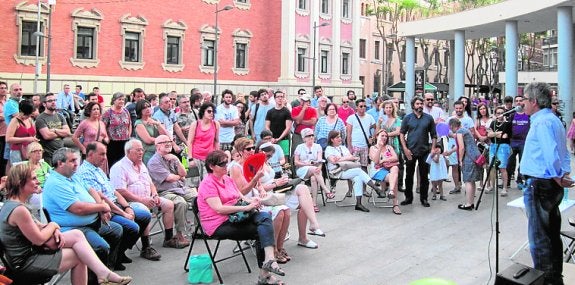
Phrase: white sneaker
(504, 192)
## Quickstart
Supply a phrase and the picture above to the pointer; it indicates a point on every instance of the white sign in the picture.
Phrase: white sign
(52, 2)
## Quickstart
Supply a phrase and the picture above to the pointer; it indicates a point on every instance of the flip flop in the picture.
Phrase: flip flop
(395, 209)
(316, 209)
(330, 195)
(316, 232)
(309, 244)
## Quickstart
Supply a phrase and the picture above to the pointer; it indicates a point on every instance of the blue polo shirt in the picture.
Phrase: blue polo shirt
(60, 193)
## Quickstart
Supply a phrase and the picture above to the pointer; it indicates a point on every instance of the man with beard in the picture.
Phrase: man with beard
(279, 121)
(466, 122)
(417, 129)
(435, 112)
(51, 127)
(258, 114)
(169, 176)
(228, 117)
(351, 97)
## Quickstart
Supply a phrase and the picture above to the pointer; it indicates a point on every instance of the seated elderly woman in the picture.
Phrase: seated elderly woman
(337, 155)
(384, 166)
(218, 197)
(37, 249)
(298, 200)
(308, 159)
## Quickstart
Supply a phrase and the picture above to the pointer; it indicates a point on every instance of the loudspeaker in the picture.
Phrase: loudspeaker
(519, 274)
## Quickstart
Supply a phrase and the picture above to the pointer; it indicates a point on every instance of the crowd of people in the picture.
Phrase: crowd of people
(133, 158)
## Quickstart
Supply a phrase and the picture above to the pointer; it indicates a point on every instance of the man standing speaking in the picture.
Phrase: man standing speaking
(546, 166)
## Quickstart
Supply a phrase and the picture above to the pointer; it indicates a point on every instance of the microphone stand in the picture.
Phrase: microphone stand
(494, 162)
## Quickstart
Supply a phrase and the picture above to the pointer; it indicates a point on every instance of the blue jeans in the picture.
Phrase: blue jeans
(132, 229)
(259, 227)
(105, 241)
(542, 198)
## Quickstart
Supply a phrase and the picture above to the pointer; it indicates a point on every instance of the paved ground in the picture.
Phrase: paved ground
(378, 247)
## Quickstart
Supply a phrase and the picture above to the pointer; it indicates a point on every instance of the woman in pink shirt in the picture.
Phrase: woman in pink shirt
(203, 135)
(217, 198)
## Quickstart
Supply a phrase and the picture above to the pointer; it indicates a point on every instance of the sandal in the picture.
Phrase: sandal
(391, 194)
(123, 280)
(316, 232)
(285, 254)
(395, 209)
(269, 267)
(330, 195)
(269, 280)
(280, 258)
(316, 209)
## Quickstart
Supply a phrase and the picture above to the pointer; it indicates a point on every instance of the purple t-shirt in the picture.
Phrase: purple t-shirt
(519, 129)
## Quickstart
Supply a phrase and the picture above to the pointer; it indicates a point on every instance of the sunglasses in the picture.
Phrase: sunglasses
(250, 148)
(555, 103)
(310, 136)
(429, 99)
(222, 164)
(209, 111)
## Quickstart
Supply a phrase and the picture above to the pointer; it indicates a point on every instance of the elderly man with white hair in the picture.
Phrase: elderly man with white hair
(169, 176)
(130, 177)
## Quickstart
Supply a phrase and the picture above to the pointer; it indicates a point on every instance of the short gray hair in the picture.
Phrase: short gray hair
(539, 91)
(61, 155)
(129, 145)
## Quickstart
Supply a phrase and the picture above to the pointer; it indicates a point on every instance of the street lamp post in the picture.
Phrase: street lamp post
(36, 36)
(49, 49)
(226, 8)
(314, 57)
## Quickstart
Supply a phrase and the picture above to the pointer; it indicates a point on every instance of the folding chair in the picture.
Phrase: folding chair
(569, 245)
(199, 233)
(306, 181)
(340, 202)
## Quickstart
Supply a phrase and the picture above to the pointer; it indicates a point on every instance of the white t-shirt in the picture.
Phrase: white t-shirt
(357, 136)
(339, 151)
(226, 133)
(307, 154)
(274, 161)
(435, 112)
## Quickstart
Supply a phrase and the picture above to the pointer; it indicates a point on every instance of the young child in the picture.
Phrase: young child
(437, 171)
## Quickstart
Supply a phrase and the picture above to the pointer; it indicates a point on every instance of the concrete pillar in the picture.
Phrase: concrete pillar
(288, 59)
(511, 46)
(565, 59)
(409, 72)
(450, 75)
(459, 65)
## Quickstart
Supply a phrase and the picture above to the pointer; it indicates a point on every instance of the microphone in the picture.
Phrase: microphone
(516, 109)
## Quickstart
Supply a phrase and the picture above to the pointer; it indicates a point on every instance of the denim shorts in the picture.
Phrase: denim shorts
(503, 153)
(380, 174)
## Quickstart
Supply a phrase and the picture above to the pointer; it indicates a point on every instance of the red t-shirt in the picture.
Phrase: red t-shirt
(345, 113)
(309, 114)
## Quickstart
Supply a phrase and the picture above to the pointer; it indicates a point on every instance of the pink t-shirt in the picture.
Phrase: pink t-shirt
(344, 113)
(203, 141)
(211, 187)
(90, 133)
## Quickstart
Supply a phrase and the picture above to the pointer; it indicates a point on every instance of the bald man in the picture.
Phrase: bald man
(169, 176)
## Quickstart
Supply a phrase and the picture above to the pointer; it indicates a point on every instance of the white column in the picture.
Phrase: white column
(565, 58)
(356, 27)
(336, 43)
(459, 65)
(288, 51)
(450, 74)
(409, 72)
(511, 49)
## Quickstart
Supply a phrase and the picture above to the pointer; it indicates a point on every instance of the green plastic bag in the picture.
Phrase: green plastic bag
(200, 269)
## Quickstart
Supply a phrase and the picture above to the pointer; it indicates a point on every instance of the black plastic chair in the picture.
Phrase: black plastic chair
(199, 233)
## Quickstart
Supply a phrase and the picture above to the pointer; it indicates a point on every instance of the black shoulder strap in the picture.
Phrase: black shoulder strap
(256, 112)
(364, 135)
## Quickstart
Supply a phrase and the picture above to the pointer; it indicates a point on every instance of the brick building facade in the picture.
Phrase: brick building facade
(169, 45)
